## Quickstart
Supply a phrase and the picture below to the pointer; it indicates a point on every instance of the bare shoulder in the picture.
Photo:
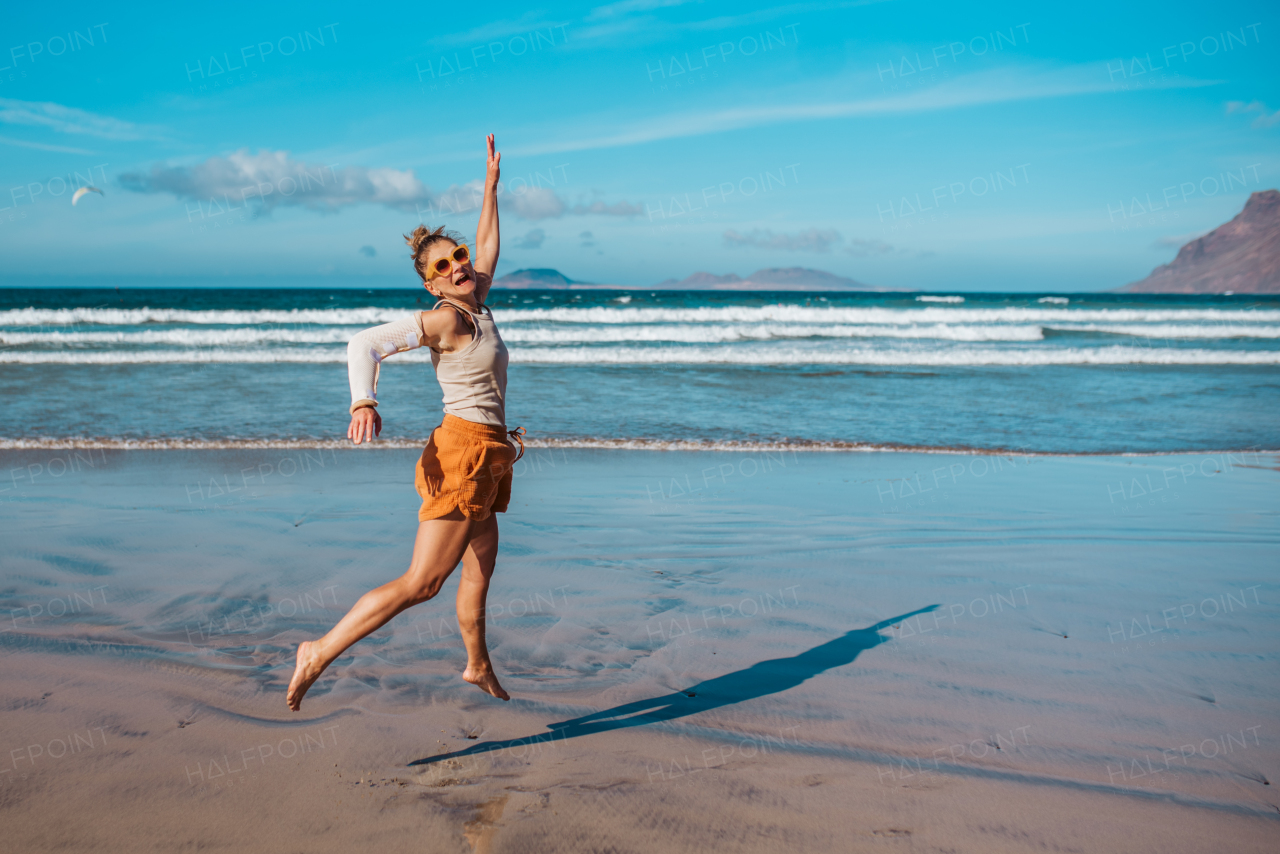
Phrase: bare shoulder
(439, 321)
(444, 329)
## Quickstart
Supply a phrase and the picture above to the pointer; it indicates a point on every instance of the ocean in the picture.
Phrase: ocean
(1026, 373)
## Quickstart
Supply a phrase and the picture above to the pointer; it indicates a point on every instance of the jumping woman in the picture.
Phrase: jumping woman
(464, 474)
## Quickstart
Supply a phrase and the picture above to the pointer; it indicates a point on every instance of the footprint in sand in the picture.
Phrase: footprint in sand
(481, 830)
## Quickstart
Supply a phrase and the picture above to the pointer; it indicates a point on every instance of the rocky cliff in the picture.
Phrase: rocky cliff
(1241, 256)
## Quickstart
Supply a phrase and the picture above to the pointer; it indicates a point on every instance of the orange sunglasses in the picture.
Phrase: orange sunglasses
(461, 255)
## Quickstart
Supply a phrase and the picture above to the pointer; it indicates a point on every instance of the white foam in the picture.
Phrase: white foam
(1054, 300)
(710, 334)
(913, 315)
(75, 443)
(940, 299)
(1187, 331)
(145, 357)
(370, 316)
(958, 356)
(676, 333)
(184, 337)
(741, 355)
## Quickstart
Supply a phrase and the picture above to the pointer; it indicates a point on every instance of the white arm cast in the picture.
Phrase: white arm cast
(367, 350)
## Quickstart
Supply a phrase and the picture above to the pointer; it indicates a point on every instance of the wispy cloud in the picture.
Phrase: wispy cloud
(270, 179)
(862, 248)
(537, 203)
(633, 22)
(638, 22)
(273, 179)
(532, 240)
(812, 240)
(623, 208)
(987, 87)
(40, 146)
(62, 119)
(625, 8)
(1263, 120)
(543, 203)
(499, 30)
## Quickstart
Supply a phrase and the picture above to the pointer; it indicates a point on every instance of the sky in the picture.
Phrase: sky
(919, 145)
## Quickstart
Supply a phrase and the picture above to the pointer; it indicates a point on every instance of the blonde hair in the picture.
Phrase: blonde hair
(420, 243)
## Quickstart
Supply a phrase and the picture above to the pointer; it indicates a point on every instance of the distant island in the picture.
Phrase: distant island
(541, 278)
(768, 279)
(1241, 256)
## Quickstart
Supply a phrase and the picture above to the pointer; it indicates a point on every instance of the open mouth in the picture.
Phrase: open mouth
(462, 280)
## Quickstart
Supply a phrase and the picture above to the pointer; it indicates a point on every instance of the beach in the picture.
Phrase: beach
(896, 391)
(756, 650)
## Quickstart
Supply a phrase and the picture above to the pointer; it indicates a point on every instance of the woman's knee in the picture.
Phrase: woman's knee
(416, 591)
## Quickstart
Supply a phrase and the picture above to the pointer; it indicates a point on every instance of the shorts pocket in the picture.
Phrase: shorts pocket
(498, 458)
(429, 477)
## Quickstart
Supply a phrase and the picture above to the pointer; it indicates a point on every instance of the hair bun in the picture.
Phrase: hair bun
(418, 238)
(420, 241)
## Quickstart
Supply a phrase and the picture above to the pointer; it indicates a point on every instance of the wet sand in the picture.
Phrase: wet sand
(707, 651)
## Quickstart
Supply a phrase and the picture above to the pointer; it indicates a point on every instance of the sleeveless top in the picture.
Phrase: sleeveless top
(474, 379)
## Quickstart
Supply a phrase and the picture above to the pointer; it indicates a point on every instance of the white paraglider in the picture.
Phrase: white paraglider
(80, 192)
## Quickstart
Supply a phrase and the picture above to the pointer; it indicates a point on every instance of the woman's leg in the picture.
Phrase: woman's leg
(473, 588)
(439, 546)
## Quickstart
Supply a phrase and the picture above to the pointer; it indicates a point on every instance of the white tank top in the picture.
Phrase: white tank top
(474, 379)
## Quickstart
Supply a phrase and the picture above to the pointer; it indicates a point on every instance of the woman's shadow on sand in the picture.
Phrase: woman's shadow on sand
(758, 680)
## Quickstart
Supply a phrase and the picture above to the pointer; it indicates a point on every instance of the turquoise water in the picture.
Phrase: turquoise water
(1064, 373)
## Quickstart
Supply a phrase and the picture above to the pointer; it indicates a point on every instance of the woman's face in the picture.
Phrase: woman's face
(459, 281)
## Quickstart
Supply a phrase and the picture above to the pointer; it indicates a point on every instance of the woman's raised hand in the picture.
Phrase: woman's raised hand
(491, 167)
(365, 424)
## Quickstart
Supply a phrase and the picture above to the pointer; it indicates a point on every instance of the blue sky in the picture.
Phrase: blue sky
(919, 145)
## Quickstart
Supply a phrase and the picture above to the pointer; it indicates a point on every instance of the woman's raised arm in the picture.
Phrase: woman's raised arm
(487, 242)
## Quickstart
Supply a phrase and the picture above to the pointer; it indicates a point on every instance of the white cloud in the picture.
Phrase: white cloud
(56, 117)
(532, 240)
(537, 203)
(40, 146)
(616, 209)
(499, 30)
(273, 179)
(628, 7)
(543, 203)
(862, 248)
(640, 22)
(813, 240)
(1263, 120)
(1002, 85)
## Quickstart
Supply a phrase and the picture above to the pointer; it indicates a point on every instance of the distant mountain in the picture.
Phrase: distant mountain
(699, 281)
(770, 279)
(1242, 256)
(539, 278)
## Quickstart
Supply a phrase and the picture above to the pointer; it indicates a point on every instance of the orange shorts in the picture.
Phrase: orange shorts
(466, 466)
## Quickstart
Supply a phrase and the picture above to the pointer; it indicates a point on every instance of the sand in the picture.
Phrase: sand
(707, 651)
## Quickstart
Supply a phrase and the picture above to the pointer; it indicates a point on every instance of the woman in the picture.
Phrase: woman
(464, 474)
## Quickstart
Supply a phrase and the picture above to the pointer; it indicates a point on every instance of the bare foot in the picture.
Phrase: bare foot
(486, 681)
(306, 672)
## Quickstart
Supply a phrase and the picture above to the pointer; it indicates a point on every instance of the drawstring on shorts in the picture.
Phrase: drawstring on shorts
(518, 435)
